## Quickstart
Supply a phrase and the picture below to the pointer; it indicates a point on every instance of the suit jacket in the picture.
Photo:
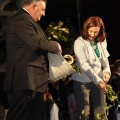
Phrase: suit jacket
(27, 47)
(92, 67)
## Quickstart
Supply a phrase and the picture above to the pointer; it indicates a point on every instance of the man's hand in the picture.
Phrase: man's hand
(59, 47)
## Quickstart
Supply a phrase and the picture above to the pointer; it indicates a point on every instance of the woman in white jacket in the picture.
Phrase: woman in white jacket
(92, 58)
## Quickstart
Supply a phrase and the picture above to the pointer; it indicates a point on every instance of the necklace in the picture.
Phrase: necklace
(94, 45)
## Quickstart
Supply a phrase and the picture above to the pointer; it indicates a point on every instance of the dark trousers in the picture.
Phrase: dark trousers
(3, 95)
(90, 99)
(25, 107)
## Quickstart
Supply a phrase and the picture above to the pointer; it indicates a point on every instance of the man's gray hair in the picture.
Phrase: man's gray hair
(21, 3)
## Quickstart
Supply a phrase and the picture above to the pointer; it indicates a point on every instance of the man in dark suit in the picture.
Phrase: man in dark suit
(27, 62)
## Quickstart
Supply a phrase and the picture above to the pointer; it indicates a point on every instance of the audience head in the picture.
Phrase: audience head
(117, 65)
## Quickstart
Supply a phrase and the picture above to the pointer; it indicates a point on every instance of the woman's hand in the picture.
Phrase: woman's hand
(106, 77)
(102, 86)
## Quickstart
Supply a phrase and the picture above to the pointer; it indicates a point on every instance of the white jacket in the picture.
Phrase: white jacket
(92, 67)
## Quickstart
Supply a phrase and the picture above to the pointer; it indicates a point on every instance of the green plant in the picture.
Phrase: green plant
(76, 68)
(57, 31)
(111, 95)
(62, 30)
